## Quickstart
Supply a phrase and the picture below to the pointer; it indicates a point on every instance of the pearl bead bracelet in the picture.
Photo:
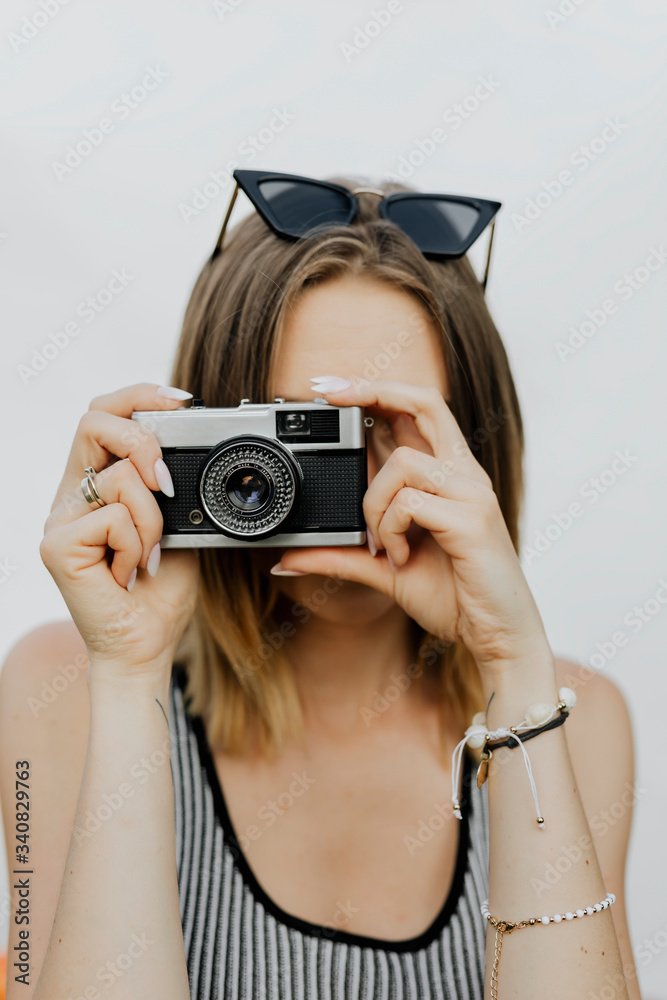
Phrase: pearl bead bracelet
(506, 926)
(557, 918)
(538, 719)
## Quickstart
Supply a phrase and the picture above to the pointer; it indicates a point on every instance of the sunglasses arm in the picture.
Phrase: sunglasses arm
(218, 245)
(488, 256)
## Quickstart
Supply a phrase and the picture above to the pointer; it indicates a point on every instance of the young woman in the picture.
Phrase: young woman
(243, 785)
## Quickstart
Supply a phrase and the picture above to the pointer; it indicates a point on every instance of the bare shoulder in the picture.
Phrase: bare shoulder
(43, 681)
(35, 653)
(44, 722)
(600, 742)
(599, 724)
(43, 685)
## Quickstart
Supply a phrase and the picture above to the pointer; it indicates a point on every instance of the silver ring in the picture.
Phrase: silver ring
(88, 487)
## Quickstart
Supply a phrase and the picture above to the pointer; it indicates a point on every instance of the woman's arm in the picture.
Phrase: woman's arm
(460, 578)
(44, 721)
(557, 869)
(601, 728)
(117, 929)
(101, 830)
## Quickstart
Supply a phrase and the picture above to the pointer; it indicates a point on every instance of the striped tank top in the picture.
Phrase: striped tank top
(240, 945)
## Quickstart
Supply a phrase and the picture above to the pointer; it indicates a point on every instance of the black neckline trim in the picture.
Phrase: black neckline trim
(305, 926)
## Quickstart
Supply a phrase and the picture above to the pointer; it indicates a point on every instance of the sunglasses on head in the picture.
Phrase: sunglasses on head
(442, 226)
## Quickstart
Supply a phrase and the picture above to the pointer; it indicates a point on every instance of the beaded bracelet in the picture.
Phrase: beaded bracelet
(506, 926)
(538, 719)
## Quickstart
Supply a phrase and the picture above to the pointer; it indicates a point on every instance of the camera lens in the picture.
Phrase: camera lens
(248, 489)
(248, 486)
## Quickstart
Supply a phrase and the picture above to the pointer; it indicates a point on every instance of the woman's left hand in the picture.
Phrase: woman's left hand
(457, 573)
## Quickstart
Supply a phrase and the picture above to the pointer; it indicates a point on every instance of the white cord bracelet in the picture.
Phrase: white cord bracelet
(477, 735)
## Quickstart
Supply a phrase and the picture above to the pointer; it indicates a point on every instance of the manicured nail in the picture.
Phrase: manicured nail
(169, 392)
(330, 383)
(154, 559)
(277, 570)
(133, 577)
(391, 561)
(372, 547)
(163, 477)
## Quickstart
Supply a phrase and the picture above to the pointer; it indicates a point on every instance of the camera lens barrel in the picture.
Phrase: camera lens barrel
(248, 486)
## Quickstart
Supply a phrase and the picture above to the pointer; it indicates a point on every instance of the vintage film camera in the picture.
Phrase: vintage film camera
(266, 474)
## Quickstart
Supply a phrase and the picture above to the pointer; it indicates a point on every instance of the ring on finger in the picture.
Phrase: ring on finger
(89, 489)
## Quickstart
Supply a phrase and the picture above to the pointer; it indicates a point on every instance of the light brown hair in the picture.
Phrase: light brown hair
(229, 343)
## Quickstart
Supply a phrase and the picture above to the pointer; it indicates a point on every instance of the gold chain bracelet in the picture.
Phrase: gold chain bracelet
(506, 927)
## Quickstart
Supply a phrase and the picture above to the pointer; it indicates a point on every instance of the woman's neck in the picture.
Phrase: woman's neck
(344, 667)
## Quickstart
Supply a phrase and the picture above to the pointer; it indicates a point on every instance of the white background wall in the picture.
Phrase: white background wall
(228, 66)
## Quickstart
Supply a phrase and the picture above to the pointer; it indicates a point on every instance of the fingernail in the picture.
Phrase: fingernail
(372, 547)
(391, 561)
(154, 559)
(133, 577)
(277, 570)
(330, 383)
(169, 392)
(163, 477)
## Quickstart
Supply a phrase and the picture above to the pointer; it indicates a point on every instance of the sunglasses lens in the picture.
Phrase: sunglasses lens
(436, 226)
(299, 207)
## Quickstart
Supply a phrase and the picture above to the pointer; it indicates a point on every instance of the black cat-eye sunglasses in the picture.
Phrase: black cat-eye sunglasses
(442, 226)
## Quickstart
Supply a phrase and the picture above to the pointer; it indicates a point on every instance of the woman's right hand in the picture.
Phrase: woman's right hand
(129, 626)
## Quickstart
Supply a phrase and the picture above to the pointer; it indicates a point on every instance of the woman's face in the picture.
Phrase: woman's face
(354, 327)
